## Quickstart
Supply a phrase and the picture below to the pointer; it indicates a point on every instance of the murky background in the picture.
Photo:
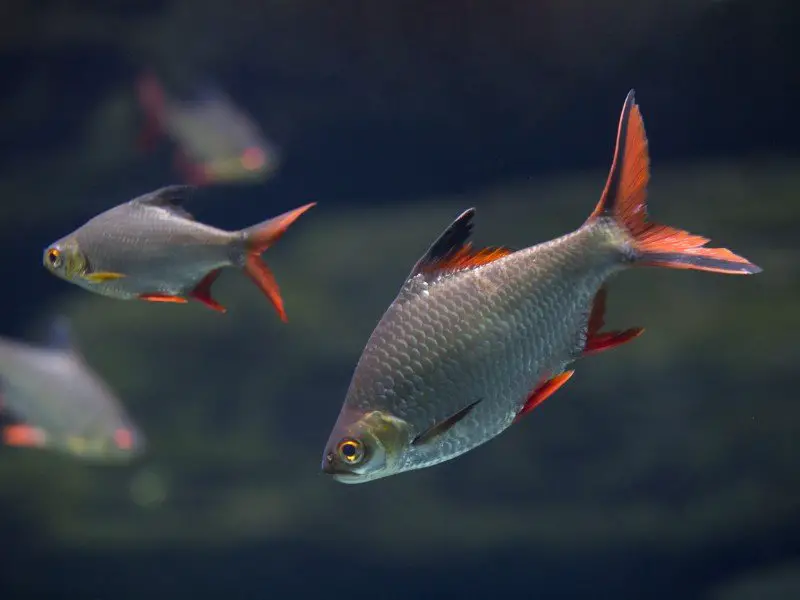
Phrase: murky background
(668, 468)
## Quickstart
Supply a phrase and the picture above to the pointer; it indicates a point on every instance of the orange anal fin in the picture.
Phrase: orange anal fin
(597, 341)
(542, 392)
(162, 298)
(259, 272)
(202, 292)
(24, 436)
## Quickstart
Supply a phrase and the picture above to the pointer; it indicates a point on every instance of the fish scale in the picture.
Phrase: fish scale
(486, 334)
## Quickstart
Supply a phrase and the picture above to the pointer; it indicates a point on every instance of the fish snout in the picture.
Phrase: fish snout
(331, 466)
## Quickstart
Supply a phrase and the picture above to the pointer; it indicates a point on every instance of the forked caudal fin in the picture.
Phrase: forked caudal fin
(257, 239)
(625, 200)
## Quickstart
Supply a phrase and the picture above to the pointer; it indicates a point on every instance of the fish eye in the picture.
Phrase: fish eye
(54, 258)
(351, 451)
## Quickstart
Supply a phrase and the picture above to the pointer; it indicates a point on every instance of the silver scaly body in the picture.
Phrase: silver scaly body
(489, 333)
(157, 249)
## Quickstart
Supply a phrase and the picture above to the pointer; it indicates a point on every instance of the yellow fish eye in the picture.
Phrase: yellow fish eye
(54, 258)
(351, 451)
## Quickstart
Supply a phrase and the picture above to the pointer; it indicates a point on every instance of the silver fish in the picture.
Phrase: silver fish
(474, 340)
(61, 404)
(217, 141)
(152, 249)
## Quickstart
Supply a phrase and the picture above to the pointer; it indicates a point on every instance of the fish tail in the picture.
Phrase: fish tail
(256, 240)
(624, 200)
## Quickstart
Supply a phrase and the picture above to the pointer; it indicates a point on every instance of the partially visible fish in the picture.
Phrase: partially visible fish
(152, 249)
(217, 141)
(477, 339)
(59, 403)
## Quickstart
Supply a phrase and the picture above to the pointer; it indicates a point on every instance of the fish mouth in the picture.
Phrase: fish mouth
(329, 467)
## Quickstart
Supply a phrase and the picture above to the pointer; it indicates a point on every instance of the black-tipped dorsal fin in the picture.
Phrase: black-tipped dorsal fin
(452, 251)
(170, 198)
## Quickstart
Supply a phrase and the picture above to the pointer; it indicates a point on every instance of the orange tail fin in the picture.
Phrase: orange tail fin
(257, 239)
(625, 200)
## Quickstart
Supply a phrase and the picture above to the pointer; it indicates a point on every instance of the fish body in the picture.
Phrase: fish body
(60, 403)
(475, 340)
(153, 249)
(218, 142)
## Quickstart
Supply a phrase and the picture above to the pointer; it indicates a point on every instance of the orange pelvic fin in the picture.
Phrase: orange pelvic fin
(162, 298)
(202, 292)
(597, 341)
(625, 200)
(542, 392)
(24, 436)
(257, 239)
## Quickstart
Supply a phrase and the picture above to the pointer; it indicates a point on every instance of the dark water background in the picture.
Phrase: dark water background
(665, 469)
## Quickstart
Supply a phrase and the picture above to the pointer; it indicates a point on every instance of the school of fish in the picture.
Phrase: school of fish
(474, 340)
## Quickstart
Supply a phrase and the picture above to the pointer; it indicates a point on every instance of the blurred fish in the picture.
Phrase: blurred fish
(152, 249)
(477, 339)
(217, 142)
(60, 403)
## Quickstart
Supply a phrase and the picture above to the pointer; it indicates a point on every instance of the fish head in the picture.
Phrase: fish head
(365, 446)
(65, 259)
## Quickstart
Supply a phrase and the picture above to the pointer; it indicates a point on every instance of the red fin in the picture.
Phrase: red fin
(260, 237)
(625, 199)
(151, 99)
(542, 392)
(465, 258)
(24, 436)
(202, 292)
(265, 280)
(162, 298)
(596, 341)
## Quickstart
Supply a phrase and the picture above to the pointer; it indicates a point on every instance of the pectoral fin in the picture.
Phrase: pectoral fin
(102, 276)
(439, 428)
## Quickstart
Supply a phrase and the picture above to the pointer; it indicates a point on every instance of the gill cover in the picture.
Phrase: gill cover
(367, 448)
